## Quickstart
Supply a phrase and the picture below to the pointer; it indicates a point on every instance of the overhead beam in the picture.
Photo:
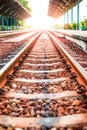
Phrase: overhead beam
(60, 6)
(13, 8)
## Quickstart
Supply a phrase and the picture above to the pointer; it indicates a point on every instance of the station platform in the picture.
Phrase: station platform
(78, 37)
(13, 32)
(78, 34)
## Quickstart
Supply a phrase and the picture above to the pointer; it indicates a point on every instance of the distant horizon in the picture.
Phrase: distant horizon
(40, 19)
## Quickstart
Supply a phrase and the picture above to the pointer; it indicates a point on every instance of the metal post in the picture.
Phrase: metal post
(64, 18)
(6, 22)
(71, 15)
(2, 17)
(17, 24)
(11, 21)
(67, 17)
(14, 23)
(78, 15)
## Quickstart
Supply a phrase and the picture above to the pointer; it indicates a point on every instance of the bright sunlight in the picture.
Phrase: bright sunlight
(39, 17)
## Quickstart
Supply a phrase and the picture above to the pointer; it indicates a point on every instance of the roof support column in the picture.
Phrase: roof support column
(6, 22)
(64, 19)
(2, 18)
(67, 17)
(11, 21)
(71, 15)
(17, 24)
(78, 15)
(14, 23)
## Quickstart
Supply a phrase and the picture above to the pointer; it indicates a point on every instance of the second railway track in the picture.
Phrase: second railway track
(43, 91)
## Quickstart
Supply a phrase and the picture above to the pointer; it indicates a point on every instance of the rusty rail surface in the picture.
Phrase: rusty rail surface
(9, 67)
(45, 88)
(79, 70)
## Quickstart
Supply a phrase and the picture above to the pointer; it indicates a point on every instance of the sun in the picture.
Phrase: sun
(40, 22)
(39, 17)
(39, 7)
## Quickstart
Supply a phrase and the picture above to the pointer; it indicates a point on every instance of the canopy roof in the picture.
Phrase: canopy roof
(58, 7)
(13, 9)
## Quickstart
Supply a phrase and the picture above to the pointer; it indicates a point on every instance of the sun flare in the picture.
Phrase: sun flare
(39, 22)
(39, 14)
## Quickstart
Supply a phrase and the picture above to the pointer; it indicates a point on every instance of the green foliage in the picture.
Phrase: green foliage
(67, 26)
(0, 27)
(74, 25)
(25, 3)
(56, 26)
(20, 23)
(83, 24)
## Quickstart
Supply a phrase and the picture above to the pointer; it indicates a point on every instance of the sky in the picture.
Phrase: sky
(39, 7)
(83, 9)
(39, 13)
(83, 13)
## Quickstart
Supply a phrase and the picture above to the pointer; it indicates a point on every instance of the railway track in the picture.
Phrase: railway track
(12, 44)
(41, 89)
(76, 48)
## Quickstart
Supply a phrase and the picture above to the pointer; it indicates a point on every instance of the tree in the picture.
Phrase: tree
(25, 3)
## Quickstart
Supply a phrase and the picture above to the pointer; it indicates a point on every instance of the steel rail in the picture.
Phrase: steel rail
(8, 68)
(82, 74)
(73, 119)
